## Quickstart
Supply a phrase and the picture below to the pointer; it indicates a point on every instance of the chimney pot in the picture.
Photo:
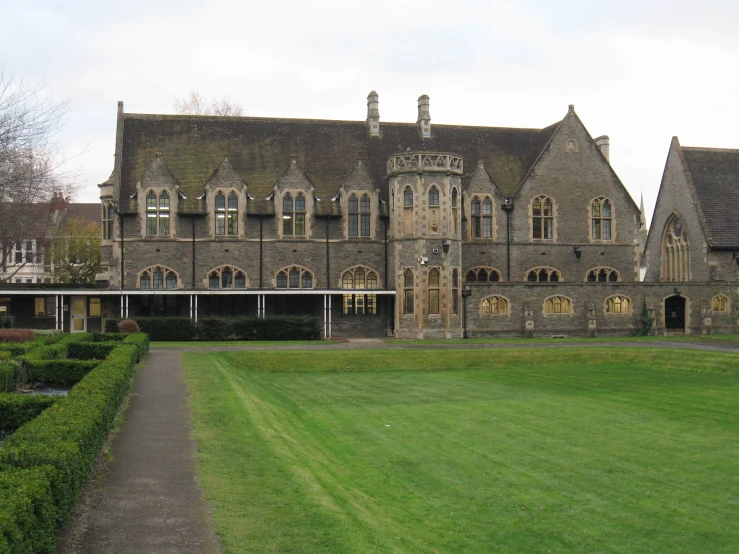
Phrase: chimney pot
(603, 143)
(424, 116)
(373, 114)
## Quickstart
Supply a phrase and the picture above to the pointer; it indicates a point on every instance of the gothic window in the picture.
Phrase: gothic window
(227, 277)
(482, 218)
(495, 305)
(157, 213)
(675, 251)
(408, 305)
(601, 219)
(294, 277)
(455, 211)
(353, 216)
(220, 214)
(434, 196)
(408, 197)
(364, 215)
(543, 275)
(602, 275)
(571, 146)
(226, 215)
(293, 215)
(557, 305)
(359, 278)
(720, 303)
(158, 278)
(542, 218)
(618, 305)
(482, 275)
(434, 291)
(408, 211)
(455, 291)
(107, 221)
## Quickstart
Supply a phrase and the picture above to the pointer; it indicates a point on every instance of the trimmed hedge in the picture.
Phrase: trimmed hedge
(63, 441)
(293, 327)
(7, 321)
(7, 377)
(90, 350)
(59, 372)
(28, 516)
(17, 409)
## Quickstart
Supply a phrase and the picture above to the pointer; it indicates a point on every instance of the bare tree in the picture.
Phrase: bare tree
(30, 160)
(197, 104)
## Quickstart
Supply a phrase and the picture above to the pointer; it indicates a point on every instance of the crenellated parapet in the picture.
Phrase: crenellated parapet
(427, 162)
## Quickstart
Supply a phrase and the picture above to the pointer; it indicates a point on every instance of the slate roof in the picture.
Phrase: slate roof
(715, 176)
(261, 149)
(90, 213)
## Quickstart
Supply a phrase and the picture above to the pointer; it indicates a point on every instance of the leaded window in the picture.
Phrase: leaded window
(557, 305)
(364, 216)
(618, 305)
(293, 215)
(720, 303)
(294, 277)
(482, 275)
(542, 218)
(158, 278)
(455, 291)
(434, 196)
(227, 277)
(434, 292)
(359, 277)
(601, 219)
(408, 287)
(353, 216)
(543, 275)
(494, 305)
(157, 213)
(602, 275)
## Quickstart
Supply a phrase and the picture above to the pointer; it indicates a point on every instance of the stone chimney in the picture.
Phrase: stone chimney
(373, 114)
(424, 116)
(603, 142)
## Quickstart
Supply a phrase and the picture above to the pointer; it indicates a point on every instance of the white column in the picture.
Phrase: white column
(196, 308)
(56, 313)
(264, 303)
(126, 306)
(325, 316)
(329, 316)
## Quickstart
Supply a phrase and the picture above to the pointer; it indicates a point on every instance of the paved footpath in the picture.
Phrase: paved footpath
(149, 500)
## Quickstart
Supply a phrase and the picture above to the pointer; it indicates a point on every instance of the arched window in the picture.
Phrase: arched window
(364, 216)
(557, 305)
(158, 278)
(618, 305)
(359, 277)
(543, 275)
(495, 305)
(675, 251)
(434, 308)
(294, 277)
(408, 285)
(408, 197)
(434, 196)
(226, 216)
(157, 213)
(602, 221)
(353, 216)
(455, 291)
(482, 217)
(542, 218)
(602, 275)
(483, 275)
(227, 277)
(455, 212)
(720, 303)
(408, 221)
(293, 215)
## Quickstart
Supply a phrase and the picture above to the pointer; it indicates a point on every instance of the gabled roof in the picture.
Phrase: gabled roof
(261, 149)
(714, 174)
(89, 213)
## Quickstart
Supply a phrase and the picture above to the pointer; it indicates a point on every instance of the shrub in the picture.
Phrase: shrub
(7, 321)
(277, 328)
(161, 328)
(16, 335)
(108, 337)
(140, 341)
(90, 350)
(214, 328)
(644, 323)
(28, 516)
(17, 409)
(128, 326)
(59, 372)
(7, 377)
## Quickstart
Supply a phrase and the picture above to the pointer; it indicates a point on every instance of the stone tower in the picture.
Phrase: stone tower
(425, 233)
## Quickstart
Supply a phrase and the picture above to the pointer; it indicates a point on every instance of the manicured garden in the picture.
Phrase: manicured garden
(51, 444)
(469, 450)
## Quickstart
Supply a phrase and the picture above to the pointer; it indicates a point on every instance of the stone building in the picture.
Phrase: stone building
(380, 229)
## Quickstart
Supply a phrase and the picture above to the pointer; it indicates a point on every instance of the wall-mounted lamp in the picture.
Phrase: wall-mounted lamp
(578, 252)
(677, 291)
(508, 203)
(445, 245)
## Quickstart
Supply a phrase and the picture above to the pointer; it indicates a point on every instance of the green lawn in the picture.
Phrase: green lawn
(588, 450)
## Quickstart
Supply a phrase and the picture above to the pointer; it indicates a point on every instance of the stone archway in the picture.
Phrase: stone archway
(675, 313)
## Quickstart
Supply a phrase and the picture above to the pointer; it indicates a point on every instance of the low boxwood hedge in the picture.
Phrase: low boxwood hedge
(7, 377)
(59, 372)
(17, 409)
(90, 350)
(160, 328)
(65, 440)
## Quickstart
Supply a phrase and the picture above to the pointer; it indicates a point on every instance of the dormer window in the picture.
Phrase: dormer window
(293, 215)
(157, 213)
(359, 216)
(226, 216)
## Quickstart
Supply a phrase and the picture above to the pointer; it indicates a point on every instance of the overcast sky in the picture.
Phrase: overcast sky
(640, 72)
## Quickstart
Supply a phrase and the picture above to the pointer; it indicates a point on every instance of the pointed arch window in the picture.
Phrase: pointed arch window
(434, 196)
(720, 304)
(434, 291)
(618, 304)
(542, 218)
(227, 277)
(601, 219)
(408, 284)
(602, 275)
(455, 291)
(495, 305)
(482, 275)
(353, 216)
(294, 277)
(675, 264)
(364, 216)
(543, 275)
(293, 215)
(157, 213)
(455, 212)
(158, 278)
(359, 277)
(482, 217)
(557, 305)
(408, 211)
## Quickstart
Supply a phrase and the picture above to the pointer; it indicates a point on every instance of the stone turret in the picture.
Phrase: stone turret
(373, 113)
(603, 143)
(424, 116)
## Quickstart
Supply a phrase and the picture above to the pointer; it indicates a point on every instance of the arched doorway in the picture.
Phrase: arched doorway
(675, 313)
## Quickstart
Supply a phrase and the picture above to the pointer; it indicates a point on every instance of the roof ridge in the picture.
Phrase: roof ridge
(709, 149)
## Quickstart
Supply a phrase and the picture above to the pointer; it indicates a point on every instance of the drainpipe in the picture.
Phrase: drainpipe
(508, 208)
(123, 274)
(328, 255)
(261, 258)
(387, 296)
(193, 252)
